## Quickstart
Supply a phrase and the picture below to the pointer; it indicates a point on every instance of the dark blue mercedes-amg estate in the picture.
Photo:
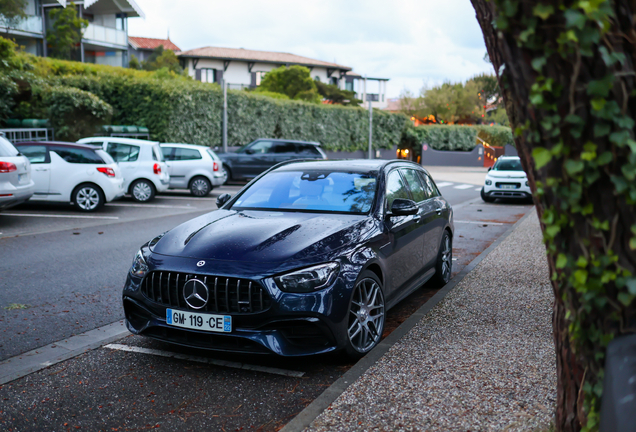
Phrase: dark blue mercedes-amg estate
(305, 259)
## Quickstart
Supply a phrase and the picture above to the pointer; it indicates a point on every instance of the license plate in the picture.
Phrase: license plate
(508, 187)
(199, 321)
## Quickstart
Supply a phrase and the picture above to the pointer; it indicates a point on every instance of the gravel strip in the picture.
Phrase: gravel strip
(483, 359)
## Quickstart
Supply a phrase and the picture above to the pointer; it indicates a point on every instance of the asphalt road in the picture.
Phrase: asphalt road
(68, 272)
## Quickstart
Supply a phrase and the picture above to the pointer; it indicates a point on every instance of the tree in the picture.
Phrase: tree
(66, 31)
(451, 103)
(12, 11)
(162, 58)
(336, 95)
(412, 105)
(134, 63)
(293, 81)
(566, 72)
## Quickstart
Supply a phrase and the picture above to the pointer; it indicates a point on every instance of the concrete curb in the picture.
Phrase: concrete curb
(322, 402)
(48, 355)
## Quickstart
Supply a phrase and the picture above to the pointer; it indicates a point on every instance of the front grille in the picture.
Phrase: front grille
(230, 295)
(508, 185)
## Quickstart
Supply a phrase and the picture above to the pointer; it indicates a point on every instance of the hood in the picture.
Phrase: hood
(506, 174)
(261, 236)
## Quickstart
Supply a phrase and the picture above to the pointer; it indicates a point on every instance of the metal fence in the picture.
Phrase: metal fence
(16, 135)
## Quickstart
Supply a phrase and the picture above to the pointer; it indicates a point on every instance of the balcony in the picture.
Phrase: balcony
(100, 34)
(31, 24)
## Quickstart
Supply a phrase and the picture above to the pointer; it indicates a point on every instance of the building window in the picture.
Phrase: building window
(259, 77)
(334, 81)
(208, 75)
(317, 78)
(349, 86)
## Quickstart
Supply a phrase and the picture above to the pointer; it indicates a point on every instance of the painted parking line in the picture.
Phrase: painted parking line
(230, 364)
(147, 205)
(478, 189)
(443, 184)
(58, 216)
(464, 186)
(185, 198)
(480, 222)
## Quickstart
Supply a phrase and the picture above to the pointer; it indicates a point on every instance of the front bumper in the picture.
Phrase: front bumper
(293, 324)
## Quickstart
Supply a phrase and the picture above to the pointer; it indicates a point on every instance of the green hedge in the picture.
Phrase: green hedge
(457, 137)
(190, 111)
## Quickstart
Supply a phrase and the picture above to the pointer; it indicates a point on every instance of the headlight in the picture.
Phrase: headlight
(139, 267)
(309, 279)
(527, 183)
(488, 182)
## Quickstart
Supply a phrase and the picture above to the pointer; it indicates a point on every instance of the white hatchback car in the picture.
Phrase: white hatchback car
(142, 163)
(16, 185)
(193, 167)
(506, 179)
(75, 173)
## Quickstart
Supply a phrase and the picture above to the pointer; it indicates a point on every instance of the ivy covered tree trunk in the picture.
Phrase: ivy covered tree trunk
(566, 71)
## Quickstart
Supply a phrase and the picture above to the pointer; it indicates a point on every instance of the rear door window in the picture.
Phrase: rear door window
(157, 154)
(37, 154)
(429, 183)
(284, 148)
(395, 188)
(183, 154)
(77, 155)
(123, 152)
(168, 153)
(308, 150)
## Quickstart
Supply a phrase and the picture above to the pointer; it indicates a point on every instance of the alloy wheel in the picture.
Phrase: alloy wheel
(366, 315)
(200, 187)
(142, 191)
(87, 198)
(447, 258)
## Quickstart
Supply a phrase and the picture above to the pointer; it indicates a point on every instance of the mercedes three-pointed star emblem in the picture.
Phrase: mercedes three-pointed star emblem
(196, 294)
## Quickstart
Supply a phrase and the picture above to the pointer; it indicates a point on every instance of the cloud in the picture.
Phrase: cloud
(409, 41)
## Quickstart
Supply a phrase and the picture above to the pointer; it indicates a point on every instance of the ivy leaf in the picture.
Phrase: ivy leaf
(574, 167)
(598, 104)
(552, 230)
(538, 63)
(561, 261)
(605, 158)
(590, 151)
(601, 129)
(541, 156)
(543, 11)
(601, 87)
(625, 298)
(631, 285)
(580, 276)
(632, 243)
(574, 18)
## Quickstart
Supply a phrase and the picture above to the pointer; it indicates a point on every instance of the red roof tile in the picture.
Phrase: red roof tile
(152, 43)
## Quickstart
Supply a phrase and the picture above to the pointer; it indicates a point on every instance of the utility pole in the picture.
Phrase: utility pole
(370, 126)
(224, 116)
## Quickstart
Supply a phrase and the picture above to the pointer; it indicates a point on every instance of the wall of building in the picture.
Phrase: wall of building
(110, 58)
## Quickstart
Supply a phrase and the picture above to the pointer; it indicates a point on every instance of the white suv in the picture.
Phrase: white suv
(16, 185)
(145, 171)
(506, 179)
(193, 167)
(68, 172)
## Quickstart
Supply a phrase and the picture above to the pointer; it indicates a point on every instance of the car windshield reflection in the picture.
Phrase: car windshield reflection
(312, 191)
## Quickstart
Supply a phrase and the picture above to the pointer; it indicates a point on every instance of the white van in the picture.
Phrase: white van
(141, 161)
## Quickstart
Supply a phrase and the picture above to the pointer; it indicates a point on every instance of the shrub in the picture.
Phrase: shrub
(75, 113)
(457, 137)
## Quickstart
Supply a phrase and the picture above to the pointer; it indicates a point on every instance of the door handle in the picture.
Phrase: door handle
(41, 169)
(439, 211)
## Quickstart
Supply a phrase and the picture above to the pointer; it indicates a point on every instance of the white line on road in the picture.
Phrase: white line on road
(464, 186)
(478, 189)
(185, 198)
(59, 216)
(443, 184)
(480, 223)
(235, 365)
(147, 205)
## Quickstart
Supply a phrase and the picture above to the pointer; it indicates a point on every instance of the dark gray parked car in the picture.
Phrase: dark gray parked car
(262, 154)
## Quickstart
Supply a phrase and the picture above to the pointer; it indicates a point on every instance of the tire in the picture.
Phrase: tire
(444, 265)
(88, 197)
(200, 186)
(229, 173)
(485, 197)
(142, 190)
(366, 316)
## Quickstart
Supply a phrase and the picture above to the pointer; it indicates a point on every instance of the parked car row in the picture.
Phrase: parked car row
(97, 170)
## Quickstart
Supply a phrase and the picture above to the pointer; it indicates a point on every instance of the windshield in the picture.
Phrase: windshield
(508, 165)
(323, 191)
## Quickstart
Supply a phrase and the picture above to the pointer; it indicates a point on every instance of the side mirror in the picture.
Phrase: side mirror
(403, 207)
(249, 151)
(222, 199)
(489, 168)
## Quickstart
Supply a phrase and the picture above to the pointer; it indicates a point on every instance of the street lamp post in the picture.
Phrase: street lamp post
(370, 126)
(224, 116)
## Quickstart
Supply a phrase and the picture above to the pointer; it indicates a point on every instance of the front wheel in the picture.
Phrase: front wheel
(485, 197)
(444, 265)
(142, 191)
(365, 322)
(200, 187)
(88, 197)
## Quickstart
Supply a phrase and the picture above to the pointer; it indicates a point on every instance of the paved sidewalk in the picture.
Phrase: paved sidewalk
(482, 359)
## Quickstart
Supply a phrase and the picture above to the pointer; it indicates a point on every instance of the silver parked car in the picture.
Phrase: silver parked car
(193, 167)
(16, 185)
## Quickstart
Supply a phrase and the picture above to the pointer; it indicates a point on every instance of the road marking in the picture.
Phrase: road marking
(235, 365)
(185, 198)
(147, 205)
(464, 186)
(478, 189)
(59, 216)
(481, 223)
(443, 184)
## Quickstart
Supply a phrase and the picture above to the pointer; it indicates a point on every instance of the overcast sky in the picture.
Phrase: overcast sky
(411, 42)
